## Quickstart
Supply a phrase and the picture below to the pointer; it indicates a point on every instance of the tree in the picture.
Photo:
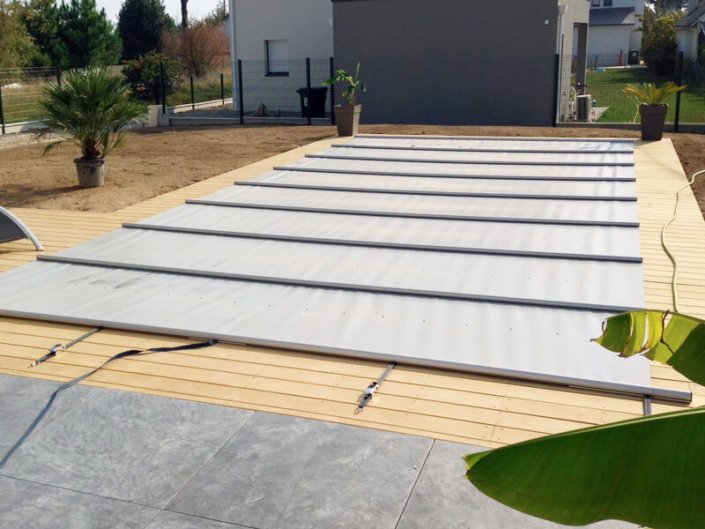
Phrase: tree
(16, 44)
(199, 48)
(659, 42)
(184, 14)
(89, 37)
(41, 18)
(141, 24)
(661, 6)
(144, 76)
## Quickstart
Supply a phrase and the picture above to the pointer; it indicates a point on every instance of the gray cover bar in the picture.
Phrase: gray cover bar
(470, 162)
(390, 245)
(339, 286)
(308, 169)
(204, 202)
(479, 149)
(496, 138)
(258, 183)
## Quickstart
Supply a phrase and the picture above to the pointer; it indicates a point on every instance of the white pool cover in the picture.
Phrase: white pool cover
(496, 256)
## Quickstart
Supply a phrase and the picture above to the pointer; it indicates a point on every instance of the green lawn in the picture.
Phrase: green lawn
(606, 87)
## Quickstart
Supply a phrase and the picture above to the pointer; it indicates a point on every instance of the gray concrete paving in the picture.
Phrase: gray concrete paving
(106, 459)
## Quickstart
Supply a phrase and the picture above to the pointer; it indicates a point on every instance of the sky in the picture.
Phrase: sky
(196, 8)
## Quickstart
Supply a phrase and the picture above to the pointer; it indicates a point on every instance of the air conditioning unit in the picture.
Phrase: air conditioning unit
(584, 103)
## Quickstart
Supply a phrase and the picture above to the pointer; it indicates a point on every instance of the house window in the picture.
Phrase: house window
(277, 52)
(595, 3)
(607, 3)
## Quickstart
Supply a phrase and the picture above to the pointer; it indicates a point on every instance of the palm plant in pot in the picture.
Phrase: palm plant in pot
(347, 117)
(91, 108)
(649, 98)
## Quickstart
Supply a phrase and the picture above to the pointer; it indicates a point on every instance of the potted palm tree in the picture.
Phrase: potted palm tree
(91, 108)
(649, 98)
(347, 117)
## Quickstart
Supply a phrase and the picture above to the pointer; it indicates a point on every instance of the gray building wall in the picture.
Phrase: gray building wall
(451, 61)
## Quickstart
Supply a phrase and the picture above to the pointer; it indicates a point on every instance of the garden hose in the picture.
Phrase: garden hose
(674, 279)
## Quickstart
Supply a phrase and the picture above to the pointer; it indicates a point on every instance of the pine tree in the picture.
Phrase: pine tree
(41, 18)
(140, 25)
(91, 40)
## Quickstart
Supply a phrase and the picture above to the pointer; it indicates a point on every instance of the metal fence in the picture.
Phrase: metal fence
(212, 86)
(20, 92)
(293, 89)
(600, 99)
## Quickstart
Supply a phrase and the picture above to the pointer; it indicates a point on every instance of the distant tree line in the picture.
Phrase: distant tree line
(76, 34)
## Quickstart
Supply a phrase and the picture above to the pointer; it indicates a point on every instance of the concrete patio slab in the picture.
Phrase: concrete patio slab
(279, 472)
(107, 459)
(443, 498)
(27, 505)
(122, 445)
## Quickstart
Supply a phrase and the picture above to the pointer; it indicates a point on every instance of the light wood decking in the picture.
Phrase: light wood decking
(440, 404)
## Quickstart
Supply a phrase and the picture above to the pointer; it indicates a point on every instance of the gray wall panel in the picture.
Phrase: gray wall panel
(455, 62)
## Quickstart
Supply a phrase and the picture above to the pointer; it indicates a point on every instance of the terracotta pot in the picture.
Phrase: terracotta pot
(91, 173)
(653, 119)
(347, 119)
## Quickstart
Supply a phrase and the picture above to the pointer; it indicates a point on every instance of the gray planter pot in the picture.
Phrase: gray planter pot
(347, 119)
(653, 119)
(91, 173)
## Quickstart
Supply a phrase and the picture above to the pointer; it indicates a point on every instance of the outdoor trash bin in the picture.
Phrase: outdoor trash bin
(317, 102)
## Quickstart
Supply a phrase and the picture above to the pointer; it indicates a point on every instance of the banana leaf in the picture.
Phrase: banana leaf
(649, 471)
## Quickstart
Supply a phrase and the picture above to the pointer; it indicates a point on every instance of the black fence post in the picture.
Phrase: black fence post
(222, 88)
(240, 97)
(679, 82)
(332, 93)
(58, 75)
(2, 112)
(193, 97)
(162, 86)
(308, 90)
(556, 87)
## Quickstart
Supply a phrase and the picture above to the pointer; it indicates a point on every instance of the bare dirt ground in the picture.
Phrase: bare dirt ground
(157, 161)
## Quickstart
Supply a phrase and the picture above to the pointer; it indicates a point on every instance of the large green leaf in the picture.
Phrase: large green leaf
(670, 338)
(648, 471)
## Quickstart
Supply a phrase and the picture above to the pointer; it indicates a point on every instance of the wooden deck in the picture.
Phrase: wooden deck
(440, 404)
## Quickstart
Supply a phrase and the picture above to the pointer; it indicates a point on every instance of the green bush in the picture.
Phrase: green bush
(143, 76)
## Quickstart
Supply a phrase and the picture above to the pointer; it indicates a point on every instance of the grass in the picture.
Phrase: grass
(606, 87)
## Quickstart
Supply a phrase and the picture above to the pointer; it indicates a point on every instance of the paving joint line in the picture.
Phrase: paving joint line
(416, 481)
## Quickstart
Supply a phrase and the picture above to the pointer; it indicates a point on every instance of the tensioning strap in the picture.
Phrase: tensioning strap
(73, 382)
(369, 390)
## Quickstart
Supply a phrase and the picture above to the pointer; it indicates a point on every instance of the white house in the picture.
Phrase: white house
(614, 28)
(691, 29)
(273, 38)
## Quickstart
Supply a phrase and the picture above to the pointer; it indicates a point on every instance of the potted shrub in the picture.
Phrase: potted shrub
(652, 109)
(91, 108)
(347, 117)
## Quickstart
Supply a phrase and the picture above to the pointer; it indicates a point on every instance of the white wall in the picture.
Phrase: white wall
(306, 24)
(688, 42)
(609, 40)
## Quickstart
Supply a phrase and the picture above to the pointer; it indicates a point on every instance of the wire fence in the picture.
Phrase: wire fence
(600, 97)
(287, 89)
(212, 86)
(20, 92)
